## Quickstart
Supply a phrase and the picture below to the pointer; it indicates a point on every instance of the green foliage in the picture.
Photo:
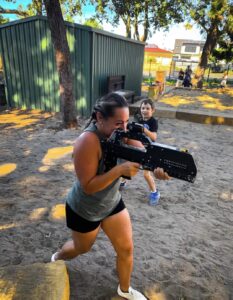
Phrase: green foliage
(225, 49)
(3, 20)
(92, 22)
(209, 13)
(215, 19)
(70, 8)
(151, 14)
(224, 53)
(36, 8)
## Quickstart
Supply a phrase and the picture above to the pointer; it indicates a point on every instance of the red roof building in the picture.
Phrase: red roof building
(156, 59)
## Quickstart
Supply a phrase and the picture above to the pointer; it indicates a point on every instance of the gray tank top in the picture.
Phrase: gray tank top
(97, 206)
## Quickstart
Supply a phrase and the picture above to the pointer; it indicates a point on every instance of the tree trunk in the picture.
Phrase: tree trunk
(62, 53)
(146, 24)
(128, 27)
(136, 32)
(211, 41)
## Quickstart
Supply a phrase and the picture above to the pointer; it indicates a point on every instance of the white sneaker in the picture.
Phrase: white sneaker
(54, 257)
(131, 295)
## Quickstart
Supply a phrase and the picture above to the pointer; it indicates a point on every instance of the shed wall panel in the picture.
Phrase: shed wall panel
(30, 69)
(116, 57)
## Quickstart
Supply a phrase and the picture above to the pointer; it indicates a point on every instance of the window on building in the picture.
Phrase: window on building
(190, 48)
(185, 57)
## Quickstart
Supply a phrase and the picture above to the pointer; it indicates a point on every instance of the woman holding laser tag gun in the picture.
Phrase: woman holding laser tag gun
(94, 202)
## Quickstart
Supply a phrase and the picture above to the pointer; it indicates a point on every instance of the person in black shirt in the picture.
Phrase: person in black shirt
(150, 129)
(180, 79)
(188, 77)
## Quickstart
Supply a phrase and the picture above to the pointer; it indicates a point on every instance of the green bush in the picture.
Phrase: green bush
(148, 80)
(170, 82)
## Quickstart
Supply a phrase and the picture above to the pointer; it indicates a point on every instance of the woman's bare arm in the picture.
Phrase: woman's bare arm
(87, 153)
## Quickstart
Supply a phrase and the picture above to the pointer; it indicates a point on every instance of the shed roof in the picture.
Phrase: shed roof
(84, 27)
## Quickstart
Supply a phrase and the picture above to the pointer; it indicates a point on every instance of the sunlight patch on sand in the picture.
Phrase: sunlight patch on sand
(58, 212)
(9, 292)
(206, 101)
(27, 152)
(8, 226)
(44, 168)
(57, 153)
(37, 213)
(227, 196)
(68, 167)
(176, 101)
(171, 140)
(165, 132)
(6, 169)
(212, 103)
(155, 293)
(227, 90)
(19, 118)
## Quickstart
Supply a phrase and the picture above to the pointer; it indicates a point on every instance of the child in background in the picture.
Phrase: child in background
(150, 129)
(188, 77)
(223, 83)
(180, 78)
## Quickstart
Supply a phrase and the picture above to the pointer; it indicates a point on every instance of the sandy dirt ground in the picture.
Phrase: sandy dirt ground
(183, 246)
(209, 100)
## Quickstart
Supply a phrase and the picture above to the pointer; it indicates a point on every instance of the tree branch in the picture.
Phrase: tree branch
(13, 11)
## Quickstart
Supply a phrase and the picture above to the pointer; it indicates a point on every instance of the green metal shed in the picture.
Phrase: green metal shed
(30, 70)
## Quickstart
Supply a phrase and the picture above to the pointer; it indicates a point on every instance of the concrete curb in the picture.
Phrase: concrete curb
(37, 281)
(205, 118)
(214, 118)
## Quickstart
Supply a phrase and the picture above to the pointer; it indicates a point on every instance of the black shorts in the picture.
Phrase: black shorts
(79, 224)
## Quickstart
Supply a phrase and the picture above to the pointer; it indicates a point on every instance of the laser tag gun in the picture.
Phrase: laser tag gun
(176, 162)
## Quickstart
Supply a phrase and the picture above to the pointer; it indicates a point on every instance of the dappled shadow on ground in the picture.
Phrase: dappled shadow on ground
(206, 100)
(36, 171)
(15, 119)
(183, 245)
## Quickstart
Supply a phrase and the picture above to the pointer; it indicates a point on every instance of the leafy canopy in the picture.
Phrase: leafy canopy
(212, 13)
(92, 22)
(151, 15)
(215, 19)
(70, 9)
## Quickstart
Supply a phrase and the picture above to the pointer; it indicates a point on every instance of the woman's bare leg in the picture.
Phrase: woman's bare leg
(80, 243)
(119, 230)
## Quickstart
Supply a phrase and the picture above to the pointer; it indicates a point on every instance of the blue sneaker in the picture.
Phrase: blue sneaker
(122, 184)
(154, 198)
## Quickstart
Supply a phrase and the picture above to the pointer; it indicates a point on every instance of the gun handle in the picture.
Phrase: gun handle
(126, 177)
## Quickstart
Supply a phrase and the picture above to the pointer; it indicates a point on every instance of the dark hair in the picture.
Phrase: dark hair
(148, 101)
(106, 105)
